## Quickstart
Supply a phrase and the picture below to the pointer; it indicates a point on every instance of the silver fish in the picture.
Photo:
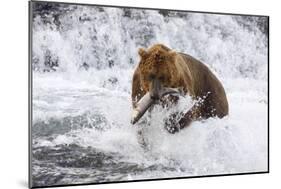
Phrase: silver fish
(146, 101)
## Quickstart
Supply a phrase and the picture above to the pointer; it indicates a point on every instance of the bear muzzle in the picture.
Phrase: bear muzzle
(147, 101)
(155, 89)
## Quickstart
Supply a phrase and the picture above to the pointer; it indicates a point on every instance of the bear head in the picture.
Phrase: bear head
(157, 69)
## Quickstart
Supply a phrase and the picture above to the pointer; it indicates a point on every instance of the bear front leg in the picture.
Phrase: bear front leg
(172, 124)
(142, 129)
(178, 121)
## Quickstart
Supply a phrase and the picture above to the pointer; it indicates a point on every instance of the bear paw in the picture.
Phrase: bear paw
(171, 126)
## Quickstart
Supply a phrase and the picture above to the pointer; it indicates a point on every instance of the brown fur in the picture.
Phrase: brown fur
(178, 70)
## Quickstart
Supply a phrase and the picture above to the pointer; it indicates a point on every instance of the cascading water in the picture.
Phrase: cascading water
(83, 58)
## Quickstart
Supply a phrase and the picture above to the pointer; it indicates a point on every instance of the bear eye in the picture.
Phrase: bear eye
(151, 77)
(162, 78)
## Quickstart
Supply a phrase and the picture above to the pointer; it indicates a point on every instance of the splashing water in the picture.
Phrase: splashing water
(83, 61)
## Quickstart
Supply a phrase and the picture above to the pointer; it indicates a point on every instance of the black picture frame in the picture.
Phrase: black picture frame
(30, 93)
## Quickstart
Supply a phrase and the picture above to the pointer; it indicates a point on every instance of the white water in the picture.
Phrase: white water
(237, 55)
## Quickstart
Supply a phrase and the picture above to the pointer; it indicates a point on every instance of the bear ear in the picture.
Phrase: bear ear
(172, 54)
(142, 52)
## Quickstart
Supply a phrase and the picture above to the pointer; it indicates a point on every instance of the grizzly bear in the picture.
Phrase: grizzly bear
(160, 67)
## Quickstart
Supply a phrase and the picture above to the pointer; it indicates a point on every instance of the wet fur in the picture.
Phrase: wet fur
(181, 70)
